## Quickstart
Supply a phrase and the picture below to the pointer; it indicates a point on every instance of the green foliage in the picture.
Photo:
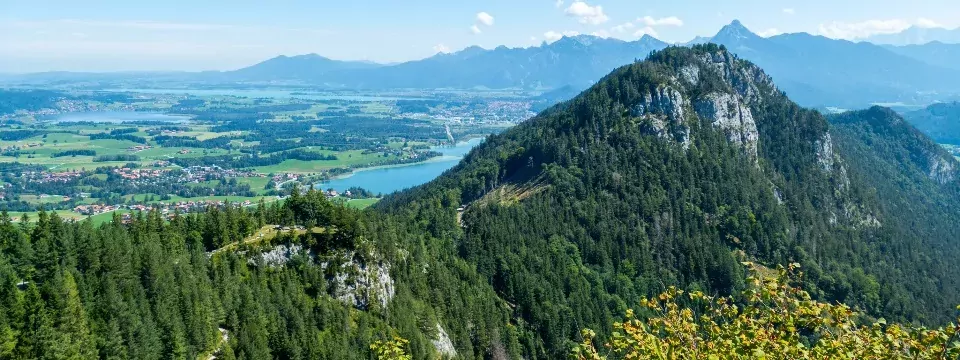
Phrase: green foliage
(777, 321)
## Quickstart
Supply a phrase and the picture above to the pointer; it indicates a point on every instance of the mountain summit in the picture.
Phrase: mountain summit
(674, 171)
(300, 67)
(735, 31)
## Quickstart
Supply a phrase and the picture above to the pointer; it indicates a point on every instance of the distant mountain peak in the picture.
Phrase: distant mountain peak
(735, 30)
(582, 39)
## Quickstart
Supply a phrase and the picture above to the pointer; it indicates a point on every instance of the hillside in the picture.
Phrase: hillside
(939, 121)
(673, 171)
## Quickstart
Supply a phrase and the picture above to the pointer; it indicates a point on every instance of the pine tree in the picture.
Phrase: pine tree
(73, 340)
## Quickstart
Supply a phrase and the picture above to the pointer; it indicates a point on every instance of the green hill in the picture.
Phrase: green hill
(673, 171)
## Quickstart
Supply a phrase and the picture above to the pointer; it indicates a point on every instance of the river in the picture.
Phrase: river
(385, 180)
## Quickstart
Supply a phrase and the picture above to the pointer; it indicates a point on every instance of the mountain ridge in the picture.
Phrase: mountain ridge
(676, 169)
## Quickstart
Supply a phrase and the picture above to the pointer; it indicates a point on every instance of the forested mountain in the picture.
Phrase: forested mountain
(309, 68)
(939, 121)
(673, 171)
(668, 172)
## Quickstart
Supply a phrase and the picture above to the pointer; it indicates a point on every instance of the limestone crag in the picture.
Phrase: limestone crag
(664, 112)
(361, 283)
(728, 113)
(941, 170)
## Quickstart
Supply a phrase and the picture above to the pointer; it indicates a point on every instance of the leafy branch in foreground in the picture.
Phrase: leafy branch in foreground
(776, 321)
(395, 349)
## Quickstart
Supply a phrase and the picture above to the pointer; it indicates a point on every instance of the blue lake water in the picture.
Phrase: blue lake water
(268, 94)
(115, 117)
(386, 180)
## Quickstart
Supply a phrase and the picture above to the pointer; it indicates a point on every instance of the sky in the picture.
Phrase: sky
(197, 35)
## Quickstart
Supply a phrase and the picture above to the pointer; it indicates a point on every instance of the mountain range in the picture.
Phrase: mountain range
(815, 71)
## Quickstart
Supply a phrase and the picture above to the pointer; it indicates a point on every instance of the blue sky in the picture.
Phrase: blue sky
(123, 35)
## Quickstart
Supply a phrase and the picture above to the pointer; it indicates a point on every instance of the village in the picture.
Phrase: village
(181, 207)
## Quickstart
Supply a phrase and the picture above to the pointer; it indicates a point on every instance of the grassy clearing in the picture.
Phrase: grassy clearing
(362, 203)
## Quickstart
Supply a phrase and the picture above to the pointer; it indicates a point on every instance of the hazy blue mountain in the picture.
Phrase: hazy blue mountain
(939, 121)
(819, 71)
(697, 41)
(916, 35)
(935, 53)
(577, 61)
(301, 67)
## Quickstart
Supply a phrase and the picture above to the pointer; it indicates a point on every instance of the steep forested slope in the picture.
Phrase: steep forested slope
(939, 121)
(225, 283)
(673, 171)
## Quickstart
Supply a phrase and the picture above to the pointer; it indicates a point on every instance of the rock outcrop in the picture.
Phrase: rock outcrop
(825, 154)
(664, 114)
(443, 344)
(361, 283)
(731, 115)
(941, 170)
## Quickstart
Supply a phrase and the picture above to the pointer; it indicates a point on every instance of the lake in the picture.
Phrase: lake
(386, 180)
(115, 117)
(269, 94)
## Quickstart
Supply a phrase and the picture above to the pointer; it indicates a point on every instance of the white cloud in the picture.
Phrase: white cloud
(789, 11)
(551, 36)
(558, 4)
(770, 32)
(622, 28)
(928, 23)
(592, 15)
(863, 29)
(485, 18)
(645, 31)
(441, 48)
(475, 29)
(667, 21)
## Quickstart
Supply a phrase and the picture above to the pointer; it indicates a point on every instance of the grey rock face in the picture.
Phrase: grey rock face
(443, 344)
(941, 170)
(691, 74)
(280, 255)
(825, 154)
(729, 113)
(664, 112)
(745, 80)
(362, 284)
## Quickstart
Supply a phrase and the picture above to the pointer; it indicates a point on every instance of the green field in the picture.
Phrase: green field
(362, 203)
(352, 158)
